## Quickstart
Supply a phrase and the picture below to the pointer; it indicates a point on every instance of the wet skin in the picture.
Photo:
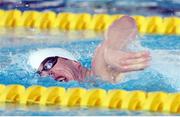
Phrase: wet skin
(62, 69)
(109, 62)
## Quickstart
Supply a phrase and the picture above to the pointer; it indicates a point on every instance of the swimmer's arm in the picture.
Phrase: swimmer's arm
(117, 37)
(110, 61)
(111, 64)
(120, 33)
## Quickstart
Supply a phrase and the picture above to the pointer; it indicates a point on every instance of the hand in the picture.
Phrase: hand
(126, 61)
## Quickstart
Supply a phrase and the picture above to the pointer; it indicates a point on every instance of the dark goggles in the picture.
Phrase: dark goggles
(49, 63)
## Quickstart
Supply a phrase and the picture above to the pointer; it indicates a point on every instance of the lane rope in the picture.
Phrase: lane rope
(116, 99)
(85, 21)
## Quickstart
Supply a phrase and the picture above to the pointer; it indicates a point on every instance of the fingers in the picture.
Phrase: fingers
(127, 61)
(134, 67)
(133, 61)
(136, 60)
(135, 55)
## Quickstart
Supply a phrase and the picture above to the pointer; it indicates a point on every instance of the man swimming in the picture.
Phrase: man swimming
(109, 61)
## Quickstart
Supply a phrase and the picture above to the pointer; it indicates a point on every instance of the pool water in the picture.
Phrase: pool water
(15, 46)
(70, 111)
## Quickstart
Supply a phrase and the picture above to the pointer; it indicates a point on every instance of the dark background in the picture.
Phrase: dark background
(135, 7)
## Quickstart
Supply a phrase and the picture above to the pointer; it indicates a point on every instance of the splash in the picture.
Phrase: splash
(164, 62)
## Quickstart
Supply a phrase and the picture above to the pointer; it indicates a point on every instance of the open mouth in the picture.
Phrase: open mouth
(61, 79)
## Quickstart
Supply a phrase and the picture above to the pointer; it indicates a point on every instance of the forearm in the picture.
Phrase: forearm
(121, 33)
(100, 67)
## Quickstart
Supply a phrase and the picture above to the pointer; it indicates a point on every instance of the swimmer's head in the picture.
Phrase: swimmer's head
(56, 62)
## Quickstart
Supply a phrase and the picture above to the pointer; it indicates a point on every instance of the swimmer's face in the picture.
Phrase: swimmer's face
(61, 69)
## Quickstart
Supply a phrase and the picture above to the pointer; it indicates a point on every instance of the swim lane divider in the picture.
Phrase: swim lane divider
(115, 99)
(85, 21)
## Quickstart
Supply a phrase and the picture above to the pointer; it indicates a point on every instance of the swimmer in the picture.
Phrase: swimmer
(109, 61)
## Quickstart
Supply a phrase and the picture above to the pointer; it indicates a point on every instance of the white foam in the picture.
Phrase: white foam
(166, 62)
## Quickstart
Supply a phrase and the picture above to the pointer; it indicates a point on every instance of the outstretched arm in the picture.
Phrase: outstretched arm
(110, 59)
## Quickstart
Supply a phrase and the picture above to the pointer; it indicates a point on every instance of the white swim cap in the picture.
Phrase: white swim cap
(36, 57)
